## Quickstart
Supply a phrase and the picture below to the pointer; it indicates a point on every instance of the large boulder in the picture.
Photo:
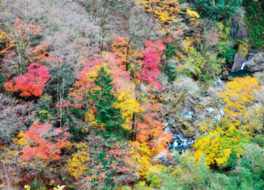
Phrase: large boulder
(239, 58)
(238, 62)
(256, 63)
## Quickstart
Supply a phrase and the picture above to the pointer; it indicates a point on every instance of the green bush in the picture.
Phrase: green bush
(249, 173)
(203, 64)
(227, 53)
(188, 176)
(170, 50)
(3, 79)
(171, 70)
(72, 119)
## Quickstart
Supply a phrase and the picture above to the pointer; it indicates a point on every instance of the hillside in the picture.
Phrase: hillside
(131, 94)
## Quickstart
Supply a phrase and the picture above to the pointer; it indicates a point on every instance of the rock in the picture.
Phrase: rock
(187, 115)
(167, 130)
(238, 62)
(239, 28)
(180, 143)
(162, 154)
(219, 82)
(217, 117)
(225, 75)
(242, 32)
(256, 63)
(222, 111)
(239, 58)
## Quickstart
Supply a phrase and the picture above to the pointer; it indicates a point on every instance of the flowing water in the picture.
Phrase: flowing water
(179, 142)
(242, 71)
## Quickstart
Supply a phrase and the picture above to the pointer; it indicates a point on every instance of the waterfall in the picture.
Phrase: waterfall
(243, 65)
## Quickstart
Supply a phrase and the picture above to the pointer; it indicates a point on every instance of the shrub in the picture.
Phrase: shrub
(206, 65)
(219, 144)
(77, 165)
(109, 166)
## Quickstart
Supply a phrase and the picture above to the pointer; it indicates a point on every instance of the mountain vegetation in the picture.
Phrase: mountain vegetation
(131, 94)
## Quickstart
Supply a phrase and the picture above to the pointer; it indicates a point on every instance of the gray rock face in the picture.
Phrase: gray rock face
(239, 29)
(242, 33)
(238, 62)
(256, 63)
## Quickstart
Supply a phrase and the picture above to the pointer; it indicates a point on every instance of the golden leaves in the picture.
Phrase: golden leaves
(238, 95)
(218, 144)
(77, 165)
(128, 106)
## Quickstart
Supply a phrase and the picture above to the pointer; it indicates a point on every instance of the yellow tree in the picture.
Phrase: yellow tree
(128, 106)
(165, 12)
(220, 143)
(226, 138)
(237, 96)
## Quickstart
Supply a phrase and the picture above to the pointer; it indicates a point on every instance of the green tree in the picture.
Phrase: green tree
(103, 98)
(255, 22)
(217, 9)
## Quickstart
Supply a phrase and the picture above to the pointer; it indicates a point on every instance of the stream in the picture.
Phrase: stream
(179, 142)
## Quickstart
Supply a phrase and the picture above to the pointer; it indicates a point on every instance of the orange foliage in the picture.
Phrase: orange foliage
(121, 157)
(150, 131)
(35, 145)
(21, 38)
(26, 32)
(5, 39)
(125, 50)
(85, 83)
(32, 83)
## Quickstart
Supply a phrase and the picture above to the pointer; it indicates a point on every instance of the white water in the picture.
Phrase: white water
(179, 142)
(243, 65)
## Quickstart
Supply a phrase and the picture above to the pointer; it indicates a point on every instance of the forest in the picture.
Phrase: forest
(131, 95)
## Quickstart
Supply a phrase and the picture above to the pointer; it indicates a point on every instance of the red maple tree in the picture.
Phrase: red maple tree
(32, 83)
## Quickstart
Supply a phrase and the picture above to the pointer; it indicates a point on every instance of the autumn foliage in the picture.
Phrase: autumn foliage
(219, 144)
(30, 84)
(150, 70)
(228, 135)
(150, 131)
(36, 142)
(239, 95)
(130, 94)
